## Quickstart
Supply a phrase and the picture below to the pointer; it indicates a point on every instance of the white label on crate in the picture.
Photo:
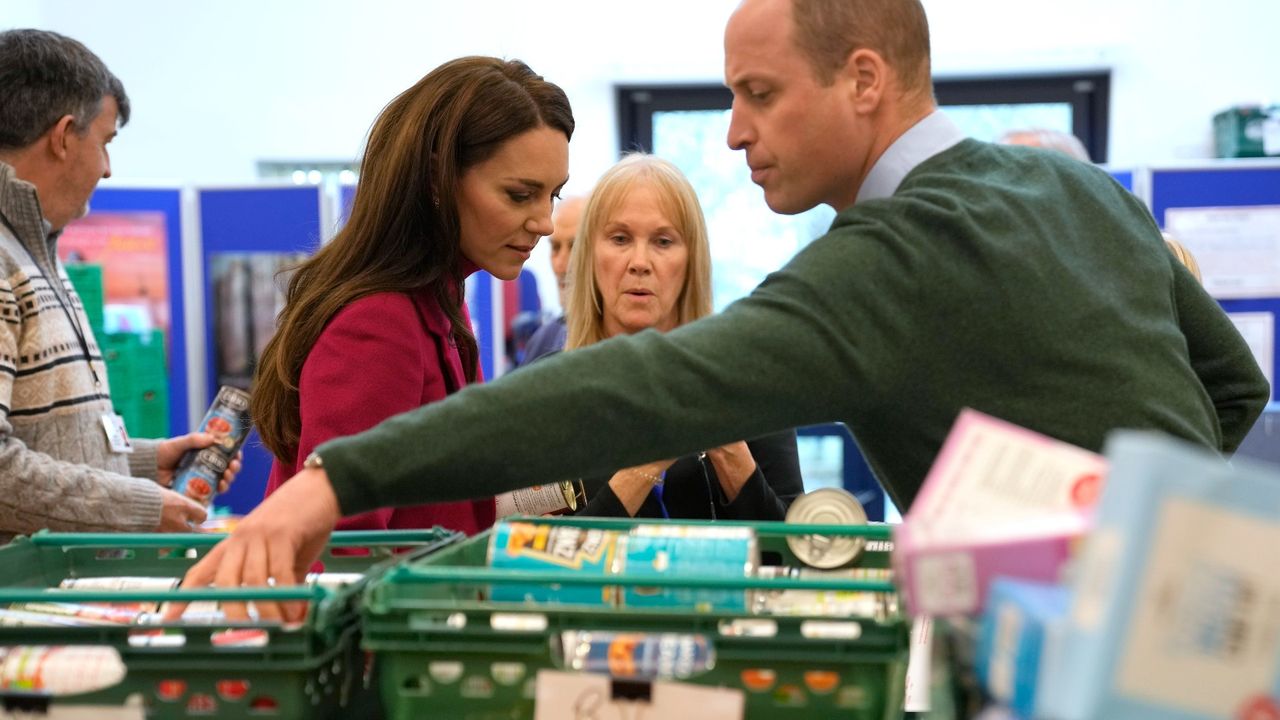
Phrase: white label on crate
(518, 622)
(830, 630)
(749, 627)
(919, 666)
(574, 696)
(445, 672)
(945, 583)
(1271, 135)
(995, 477)
(1205, 623)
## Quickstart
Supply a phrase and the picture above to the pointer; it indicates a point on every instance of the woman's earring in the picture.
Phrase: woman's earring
(435, 200)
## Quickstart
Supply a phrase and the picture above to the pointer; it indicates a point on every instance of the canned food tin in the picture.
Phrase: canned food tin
(827, 506)
(826, 603)
(686, 551)
(531, 546)
(637, 655)
(228, 421)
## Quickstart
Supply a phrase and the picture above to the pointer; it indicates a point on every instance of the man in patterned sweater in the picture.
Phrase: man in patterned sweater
(59, 468)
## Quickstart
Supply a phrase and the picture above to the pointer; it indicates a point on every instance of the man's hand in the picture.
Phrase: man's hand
(171, 451)
(179, 513)
(279, 541)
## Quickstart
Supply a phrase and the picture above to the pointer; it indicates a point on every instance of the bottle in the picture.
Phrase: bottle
(228, 421)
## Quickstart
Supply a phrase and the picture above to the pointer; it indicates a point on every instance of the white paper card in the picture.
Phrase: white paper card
(574, 696)
(1259, 332)
(117, 436)
(1237, 248)
(919, 670)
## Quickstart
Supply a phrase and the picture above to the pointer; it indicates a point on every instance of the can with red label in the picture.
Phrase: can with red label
(228, 421)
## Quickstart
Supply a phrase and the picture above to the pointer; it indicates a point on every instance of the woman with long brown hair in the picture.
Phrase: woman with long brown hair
(459, 174)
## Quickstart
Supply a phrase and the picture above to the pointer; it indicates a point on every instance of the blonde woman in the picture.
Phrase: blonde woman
(641, 263)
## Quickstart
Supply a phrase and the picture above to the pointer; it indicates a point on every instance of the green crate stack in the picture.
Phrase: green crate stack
(86, 278)
(136, 370)
(314, 671)
(444, 650)
(1239, 132)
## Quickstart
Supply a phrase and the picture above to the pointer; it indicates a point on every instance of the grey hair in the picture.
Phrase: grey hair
(45, 76)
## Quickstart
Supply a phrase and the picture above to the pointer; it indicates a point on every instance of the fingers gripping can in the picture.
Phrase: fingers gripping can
(228, 421)
(827, 506)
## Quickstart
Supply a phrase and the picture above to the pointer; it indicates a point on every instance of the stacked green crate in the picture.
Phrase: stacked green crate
(86, 278)
(1243, 131)
(136, 363)
(136, 369)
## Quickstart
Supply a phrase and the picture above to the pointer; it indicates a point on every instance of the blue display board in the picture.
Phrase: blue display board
(167, 201)
(480, 305)
(1124, 177)
(346, 196)
(856, 475)
(1230, 184)
(241, 226)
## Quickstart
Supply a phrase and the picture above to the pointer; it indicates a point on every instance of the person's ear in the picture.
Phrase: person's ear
(58, 136)
(866, 75)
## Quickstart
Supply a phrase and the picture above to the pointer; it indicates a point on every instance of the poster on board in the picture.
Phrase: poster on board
(132, 248)
(247, 293)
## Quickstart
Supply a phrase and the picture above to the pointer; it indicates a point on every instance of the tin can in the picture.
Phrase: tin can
(636, 655)
(533, 546)
(59, 669)
(824, 603)
(560, 498)
(686, 551)
(228, 421)
(827, 506)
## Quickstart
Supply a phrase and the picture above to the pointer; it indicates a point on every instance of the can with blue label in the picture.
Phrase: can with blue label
(199, 471)
(636, 655)
(687, 551)
(534, 546)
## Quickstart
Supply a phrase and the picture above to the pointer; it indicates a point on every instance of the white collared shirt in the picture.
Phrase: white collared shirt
(935, 133)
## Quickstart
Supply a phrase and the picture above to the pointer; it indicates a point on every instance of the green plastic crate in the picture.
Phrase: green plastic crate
(86, 278)
(1239, 132)
(313, 671)
(137, 373)
(439, 655)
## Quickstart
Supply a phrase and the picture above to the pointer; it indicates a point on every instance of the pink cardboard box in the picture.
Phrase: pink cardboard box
(1000, 500)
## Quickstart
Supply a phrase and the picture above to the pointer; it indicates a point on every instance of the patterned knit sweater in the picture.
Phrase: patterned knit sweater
(1017, 282)
(56, 468)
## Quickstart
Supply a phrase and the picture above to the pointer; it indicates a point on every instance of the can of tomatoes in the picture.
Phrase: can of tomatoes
(228, 421)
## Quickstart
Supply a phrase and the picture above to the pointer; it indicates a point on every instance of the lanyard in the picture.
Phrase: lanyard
(71, 318)
(79, 331)
(657, 495)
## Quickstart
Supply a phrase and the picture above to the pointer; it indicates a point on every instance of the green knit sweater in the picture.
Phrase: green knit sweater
(1014, 281)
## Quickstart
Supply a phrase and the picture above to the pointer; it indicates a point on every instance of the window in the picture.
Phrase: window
(688, 125)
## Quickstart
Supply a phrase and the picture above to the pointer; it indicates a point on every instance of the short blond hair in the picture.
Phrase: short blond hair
(677, 198)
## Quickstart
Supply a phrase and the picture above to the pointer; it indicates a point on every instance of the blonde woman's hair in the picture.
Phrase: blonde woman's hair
(1184, 255)
(676, 197)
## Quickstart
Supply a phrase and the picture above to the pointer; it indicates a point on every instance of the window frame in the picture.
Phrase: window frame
(1088, 93)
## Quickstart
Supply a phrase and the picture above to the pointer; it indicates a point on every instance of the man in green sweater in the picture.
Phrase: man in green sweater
(1016, 281)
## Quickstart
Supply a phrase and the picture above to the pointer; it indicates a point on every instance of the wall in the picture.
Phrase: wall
(218, 86)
